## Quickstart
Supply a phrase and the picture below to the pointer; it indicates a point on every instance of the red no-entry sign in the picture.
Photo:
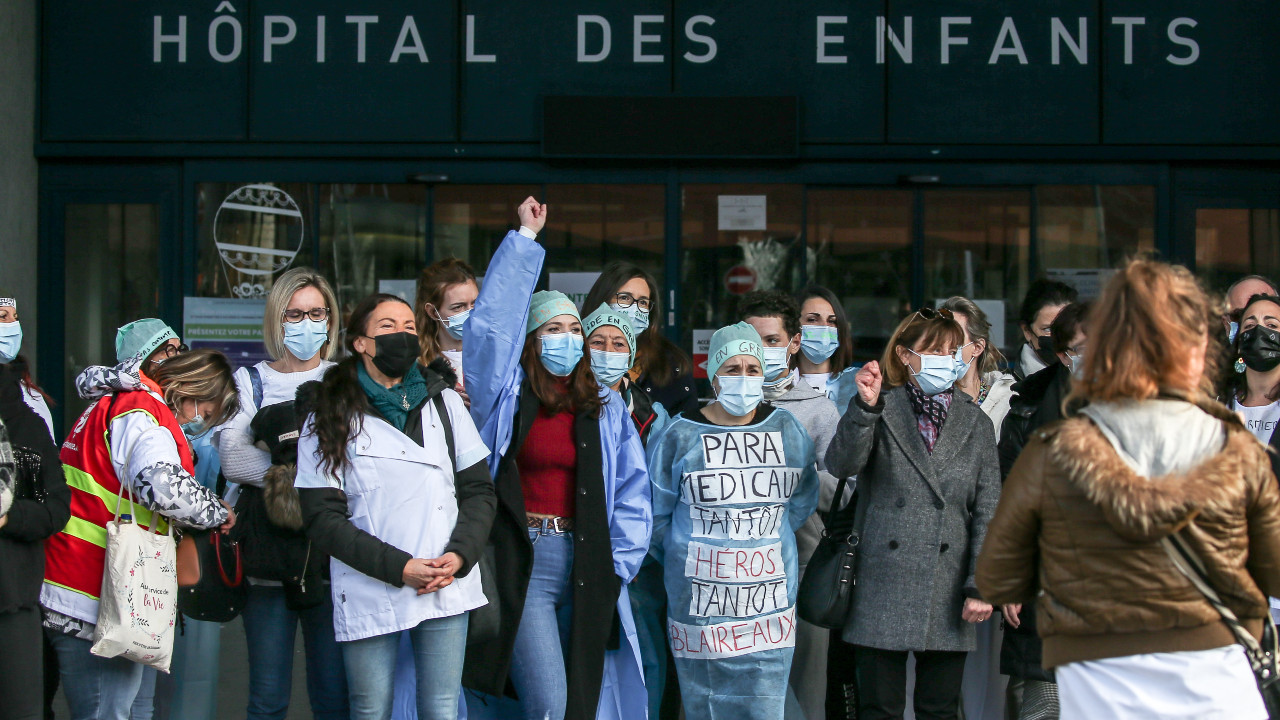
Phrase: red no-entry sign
(740, 280)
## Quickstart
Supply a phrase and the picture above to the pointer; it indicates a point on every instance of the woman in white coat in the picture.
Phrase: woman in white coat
(394, 486)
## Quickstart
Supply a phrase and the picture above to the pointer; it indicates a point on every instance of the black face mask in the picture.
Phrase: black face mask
(1259, 348)
(1044, 349)
(396, 353)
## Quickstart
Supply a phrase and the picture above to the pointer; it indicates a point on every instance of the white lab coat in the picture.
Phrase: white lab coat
(402, 494)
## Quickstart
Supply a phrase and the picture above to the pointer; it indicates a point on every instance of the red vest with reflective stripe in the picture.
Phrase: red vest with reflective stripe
(75, 558)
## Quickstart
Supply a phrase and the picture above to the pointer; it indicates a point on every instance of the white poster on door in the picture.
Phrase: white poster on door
(743, 212)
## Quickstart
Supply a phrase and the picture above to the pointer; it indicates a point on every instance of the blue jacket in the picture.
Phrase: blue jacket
(492, 344)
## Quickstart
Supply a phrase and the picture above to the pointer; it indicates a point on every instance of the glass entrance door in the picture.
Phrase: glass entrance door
(108, 256)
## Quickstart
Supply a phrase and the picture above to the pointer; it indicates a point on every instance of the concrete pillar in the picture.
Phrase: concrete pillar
(18, 171)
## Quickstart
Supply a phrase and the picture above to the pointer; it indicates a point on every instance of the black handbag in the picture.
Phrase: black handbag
(1262, 656)
(825, 596)
(211, 583)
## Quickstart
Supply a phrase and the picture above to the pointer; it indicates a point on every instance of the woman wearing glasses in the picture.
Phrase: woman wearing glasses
(661, 368)
(300, 331)
(928, 484)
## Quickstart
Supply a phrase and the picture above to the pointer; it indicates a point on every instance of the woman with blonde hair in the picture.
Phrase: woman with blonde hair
(1090, 508)
(135, 433)
(928, 483)
(287, 583)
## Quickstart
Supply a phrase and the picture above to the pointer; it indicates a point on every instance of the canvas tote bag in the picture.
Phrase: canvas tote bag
(138, 605)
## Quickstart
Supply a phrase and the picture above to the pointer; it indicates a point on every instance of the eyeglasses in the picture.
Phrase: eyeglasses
(172, 351)
(627, 300)
(318, 314)
(928, 313)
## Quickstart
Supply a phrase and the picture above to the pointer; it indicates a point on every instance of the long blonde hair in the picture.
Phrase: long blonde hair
(282, 291)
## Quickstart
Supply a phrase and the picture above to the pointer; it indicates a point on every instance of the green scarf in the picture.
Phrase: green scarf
(395, 402)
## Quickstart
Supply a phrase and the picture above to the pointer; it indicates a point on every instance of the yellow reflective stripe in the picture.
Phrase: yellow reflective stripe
(86, 531)
(84, 482)
(70, 589)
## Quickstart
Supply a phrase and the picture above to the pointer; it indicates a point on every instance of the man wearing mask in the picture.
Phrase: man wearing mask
(776, 316)
(1044, 299)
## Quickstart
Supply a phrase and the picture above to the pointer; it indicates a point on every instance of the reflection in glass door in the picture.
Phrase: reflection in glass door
(1236, 241)
(112, 279)
(734, 239)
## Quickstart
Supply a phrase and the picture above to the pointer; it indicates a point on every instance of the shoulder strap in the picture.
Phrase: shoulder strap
(443, 412)
(255, 379)
(1190, 565)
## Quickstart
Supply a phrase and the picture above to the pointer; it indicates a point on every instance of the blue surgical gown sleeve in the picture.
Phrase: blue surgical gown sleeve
(493, 338)
(841, 388)
(631, 524)
(664, 482)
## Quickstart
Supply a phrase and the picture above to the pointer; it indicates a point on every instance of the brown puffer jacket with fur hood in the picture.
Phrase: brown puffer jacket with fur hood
(1080, 529)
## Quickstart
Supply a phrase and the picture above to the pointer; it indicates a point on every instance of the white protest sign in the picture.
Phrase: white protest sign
(731, 639)
(731, 523)
(714, 563)
(739, 601)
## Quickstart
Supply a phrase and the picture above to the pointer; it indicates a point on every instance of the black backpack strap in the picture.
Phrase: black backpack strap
(255, 380)
(443, 412)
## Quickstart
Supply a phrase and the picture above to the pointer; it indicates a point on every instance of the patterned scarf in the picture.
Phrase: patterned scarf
(930, 412)
(394, 403)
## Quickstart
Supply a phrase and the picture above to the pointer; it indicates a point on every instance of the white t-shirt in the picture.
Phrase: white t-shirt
(1260, 420)
(818, 381)
(455, 361)
(1212, 684)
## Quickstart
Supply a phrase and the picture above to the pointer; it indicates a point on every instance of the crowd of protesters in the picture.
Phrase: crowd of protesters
(494, 503)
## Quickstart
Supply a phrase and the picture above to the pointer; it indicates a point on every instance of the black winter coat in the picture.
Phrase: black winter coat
(42, 505)
(508, 563)
(1037, 401)
(678, 396)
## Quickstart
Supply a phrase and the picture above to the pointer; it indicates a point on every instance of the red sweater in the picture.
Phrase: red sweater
(548, 465)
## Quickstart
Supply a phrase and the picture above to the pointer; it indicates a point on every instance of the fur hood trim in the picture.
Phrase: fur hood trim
(1144, 509)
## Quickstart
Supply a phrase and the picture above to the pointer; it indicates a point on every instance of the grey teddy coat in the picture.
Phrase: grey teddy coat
(925, 519)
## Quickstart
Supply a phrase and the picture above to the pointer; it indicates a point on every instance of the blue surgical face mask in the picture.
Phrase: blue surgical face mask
(194, 427)
(1231, 335)
(609, 367)
(639, 318)
(818, 342)
(937, 372)
(962, 367)
(1077, 365)
(10, 340)
(740, 394)
(453, 324)
(561, 353)
(776, 362)
(305, 337)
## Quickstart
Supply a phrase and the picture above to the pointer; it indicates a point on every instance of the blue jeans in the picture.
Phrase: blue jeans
(542, 642)
(270, 627)
(439, 647)
(96, 688)
(144, 703)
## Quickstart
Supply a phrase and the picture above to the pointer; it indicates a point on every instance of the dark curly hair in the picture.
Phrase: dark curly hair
(771, 303)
